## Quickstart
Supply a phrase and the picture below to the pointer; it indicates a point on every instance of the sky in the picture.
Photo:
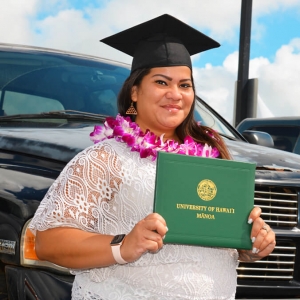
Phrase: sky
(78, 25)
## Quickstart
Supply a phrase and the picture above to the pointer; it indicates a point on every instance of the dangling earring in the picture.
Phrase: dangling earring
(131, 110)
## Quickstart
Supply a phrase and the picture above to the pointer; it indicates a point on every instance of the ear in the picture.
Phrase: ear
(134, 93)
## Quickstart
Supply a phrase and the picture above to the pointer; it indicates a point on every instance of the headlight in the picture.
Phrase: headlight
(28, 255)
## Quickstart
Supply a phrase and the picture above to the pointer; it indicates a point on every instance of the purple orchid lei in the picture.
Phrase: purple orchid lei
(122, 129)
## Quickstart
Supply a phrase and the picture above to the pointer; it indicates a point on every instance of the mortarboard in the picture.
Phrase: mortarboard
(161, 42)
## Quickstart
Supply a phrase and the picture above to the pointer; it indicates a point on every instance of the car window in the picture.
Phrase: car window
(42, 83)
(207, 117)
(20, 103)
(284, 137)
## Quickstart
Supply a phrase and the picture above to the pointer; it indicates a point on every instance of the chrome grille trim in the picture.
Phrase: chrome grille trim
(276, 200)
(280, 194)
(274, 262)
(282, 255)
(263, 269)
(285, 247)
(281, 215)
(279, 265)
(279, 209)
(285, 222)
(279, 205)
(265, 277)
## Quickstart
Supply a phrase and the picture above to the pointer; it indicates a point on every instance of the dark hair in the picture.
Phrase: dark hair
(200, 134)
(124, 97)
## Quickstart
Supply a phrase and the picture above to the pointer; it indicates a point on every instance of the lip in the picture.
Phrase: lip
(172, 107)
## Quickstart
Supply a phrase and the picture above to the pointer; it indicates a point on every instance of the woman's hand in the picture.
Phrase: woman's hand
(147, 235)
(77, 249)
(262, 236)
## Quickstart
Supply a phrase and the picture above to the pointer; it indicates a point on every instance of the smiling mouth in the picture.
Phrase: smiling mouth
(172, 108)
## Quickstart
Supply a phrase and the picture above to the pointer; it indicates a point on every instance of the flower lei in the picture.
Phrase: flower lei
(122, 129)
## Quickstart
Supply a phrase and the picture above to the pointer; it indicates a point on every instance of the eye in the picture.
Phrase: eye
(186, 85)
(161, 82)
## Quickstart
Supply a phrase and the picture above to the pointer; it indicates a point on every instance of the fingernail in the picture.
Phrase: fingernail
(254, 250)
(253, 239)
(164, 237)
(167, 228)
(257, 251)
(250, 221)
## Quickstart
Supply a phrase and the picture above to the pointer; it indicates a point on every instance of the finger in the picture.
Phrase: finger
(256, 227)
(155, 234)
(147, 235)
(139, 241)
(151, 228)
(258, 240)
(156, 241)
(254, 214)
(267, 250)
(156, 216)
(155, 223)
(153, 244)
(269, 238)
(132, 249)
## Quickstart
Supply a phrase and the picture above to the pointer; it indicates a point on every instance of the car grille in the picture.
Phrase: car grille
(279, 205)
(279, 209)
(279, 265)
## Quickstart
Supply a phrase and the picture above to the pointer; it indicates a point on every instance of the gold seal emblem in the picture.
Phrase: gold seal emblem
(206, 190)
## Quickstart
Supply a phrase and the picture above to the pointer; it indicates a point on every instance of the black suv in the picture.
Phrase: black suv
(49, 103)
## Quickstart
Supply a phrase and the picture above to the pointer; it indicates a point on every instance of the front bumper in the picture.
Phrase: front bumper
(33, 284)
(267, 291)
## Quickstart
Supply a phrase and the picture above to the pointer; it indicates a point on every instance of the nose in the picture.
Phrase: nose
(174, 93)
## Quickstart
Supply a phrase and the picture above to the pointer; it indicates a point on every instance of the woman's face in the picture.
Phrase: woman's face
(163, 99)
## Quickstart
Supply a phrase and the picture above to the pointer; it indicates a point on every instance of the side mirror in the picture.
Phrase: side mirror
(258, 138)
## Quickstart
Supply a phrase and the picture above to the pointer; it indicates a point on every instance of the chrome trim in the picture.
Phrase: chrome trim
(8, 247)
(279, 205)
(269, 270)
(279, 265)
(265, 276)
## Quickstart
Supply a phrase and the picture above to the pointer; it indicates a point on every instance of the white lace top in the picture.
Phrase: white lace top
(107, 189)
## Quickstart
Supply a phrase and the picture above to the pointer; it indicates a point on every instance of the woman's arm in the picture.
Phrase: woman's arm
(78, 249)
(74, 248)
(262, 236)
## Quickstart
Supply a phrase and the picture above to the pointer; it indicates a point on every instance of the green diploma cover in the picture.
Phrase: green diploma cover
(205, 201)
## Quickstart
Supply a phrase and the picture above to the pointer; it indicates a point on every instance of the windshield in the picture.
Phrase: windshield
(38, 82)
(33, 83)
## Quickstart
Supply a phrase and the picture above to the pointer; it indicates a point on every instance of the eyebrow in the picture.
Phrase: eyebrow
(170, 78)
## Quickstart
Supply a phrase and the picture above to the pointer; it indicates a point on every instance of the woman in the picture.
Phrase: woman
(97, 218)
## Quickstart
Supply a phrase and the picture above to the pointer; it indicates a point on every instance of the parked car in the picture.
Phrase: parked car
(285, 131)
(50, 101)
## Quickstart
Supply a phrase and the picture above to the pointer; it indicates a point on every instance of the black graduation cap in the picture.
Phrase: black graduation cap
(161, 42)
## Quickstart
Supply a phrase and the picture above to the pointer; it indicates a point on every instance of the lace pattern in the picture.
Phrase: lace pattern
(108, 189)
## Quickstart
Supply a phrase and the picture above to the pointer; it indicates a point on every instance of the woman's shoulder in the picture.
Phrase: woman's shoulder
(104, 143)
(111, 149)
(109, 146)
